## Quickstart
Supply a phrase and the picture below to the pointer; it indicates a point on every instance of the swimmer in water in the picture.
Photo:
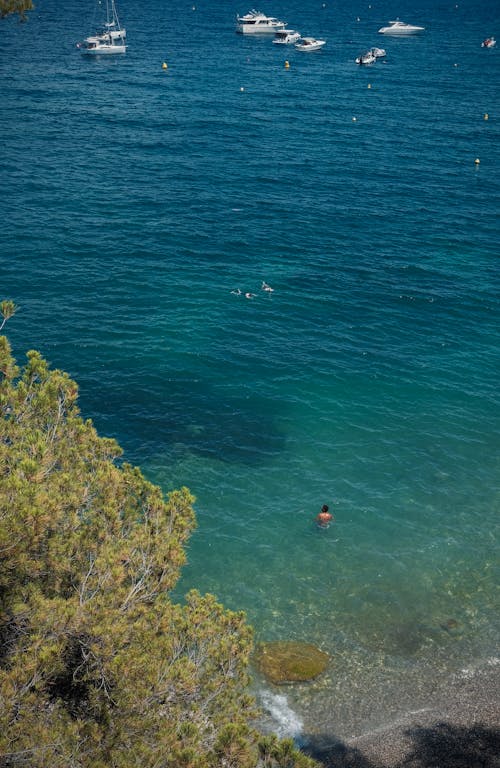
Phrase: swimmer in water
(249, 295)
(266, 287)
(324, 518)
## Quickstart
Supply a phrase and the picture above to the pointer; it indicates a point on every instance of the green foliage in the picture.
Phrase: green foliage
(15, 6)
(7, 309)
(98, 667)
(276, 753)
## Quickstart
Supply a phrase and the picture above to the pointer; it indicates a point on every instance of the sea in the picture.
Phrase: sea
(142, 202)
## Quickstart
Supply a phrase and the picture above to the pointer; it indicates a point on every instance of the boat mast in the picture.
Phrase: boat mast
(114, 15)
(109, 13)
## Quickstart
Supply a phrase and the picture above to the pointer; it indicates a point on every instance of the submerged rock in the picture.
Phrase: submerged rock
(290, 662)
(450, 625)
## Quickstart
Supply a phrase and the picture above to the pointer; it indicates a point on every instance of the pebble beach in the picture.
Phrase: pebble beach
(459, 729)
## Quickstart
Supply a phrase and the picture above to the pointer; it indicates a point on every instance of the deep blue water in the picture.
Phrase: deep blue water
(135, 199)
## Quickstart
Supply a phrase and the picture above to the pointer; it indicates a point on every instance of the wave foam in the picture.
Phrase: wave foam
(288, 722)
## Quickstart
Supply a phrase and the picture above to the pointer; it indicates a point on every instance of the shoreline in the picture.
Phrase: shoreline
(459, 729)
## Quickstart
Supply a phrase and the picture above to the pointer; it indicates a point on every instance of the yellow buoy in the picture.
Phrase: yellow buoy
(369, 85)
(486, 116)
(287, 65)
(477, 161)
(164, 65)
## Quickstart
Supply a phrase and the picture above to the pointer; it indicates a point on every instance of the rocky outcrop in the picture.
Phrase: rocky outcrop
(285, 662)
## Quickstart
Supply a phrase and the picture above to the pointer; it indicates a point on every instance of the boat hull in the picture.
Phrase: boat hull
(104, 50)
(311, 47)
(365, 60)
(258, 29)
(401, 31)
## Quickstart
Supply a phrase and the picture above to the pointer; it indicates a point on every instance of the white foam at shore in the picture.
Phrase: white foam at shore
(288, 722)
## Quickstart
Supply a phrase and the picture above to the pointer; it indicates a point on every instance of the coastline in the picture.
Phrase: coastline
(459, 729)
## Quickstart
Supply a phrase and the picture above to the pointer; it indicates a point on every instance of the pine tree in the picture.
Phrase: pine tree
(98, 667)
(15, 6)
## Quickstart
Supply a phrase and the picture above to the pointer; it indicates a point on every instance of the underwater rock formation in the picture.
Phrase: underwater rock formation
(285, 662)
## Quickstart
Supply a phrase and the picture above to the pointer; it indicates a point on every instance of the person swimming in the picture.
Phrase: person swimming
(266, 287)
(324, 517)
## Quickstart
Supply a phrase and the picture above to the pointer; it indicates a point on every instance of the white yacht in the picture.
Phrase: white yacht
(400, 28)
(110, 38)
(309, 44)
(366, 58)
(255, 22)
(286, 36)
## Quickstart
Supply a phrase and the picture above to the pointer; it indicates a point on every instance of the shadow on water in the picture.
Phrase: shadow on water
(441, 745)
(187, 417)
(337, 754)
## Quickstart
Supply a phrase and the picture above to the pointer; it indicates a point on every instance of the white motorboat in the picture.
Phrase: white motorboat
(379, 53)
(110, 38)
(400, 28)
(255, 22)
(286, 36)
(309, 44)
(366, 58)
(490, 42)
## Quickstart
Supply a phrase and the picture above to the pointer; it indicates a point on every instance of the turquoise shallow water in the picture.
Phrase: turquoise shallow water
(136, 200)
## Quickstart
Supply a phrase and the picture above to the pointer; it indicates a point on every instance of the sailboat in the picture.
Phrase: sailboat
(110, 38)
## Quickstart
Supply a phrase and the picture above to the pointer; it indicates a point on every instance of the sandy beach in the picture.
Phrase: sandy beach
(459, 729)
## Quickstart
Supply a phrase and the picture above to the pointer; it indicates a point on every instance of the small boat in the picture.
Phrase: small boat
(366, 58)
(400, 28)
(490, 42)
(110, 38)
(379, 53)
(255, 22)
(286, 36)
(309, 44)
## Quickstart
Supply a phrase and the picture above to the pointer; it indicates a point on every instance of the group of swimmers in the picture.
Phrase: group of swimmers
(248, 295)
